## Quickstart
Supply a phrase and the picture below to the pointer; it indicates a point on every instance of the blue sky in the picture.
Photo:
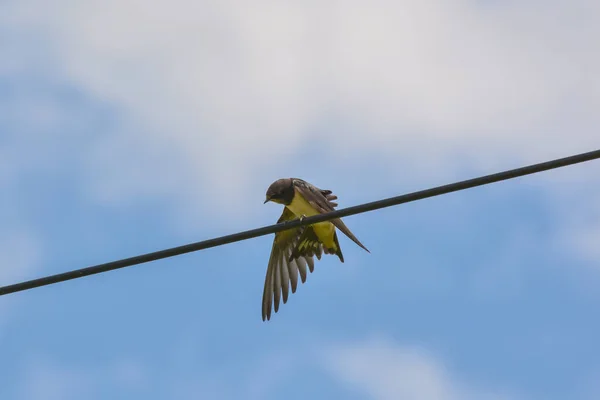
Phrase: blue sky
(127, 130)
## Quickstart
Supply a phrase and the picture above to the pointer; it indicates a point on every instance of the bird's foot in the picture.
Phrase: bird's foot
(302, 217)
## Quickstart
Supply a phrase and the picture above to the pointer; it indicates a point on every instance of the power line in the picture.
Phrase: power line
(236, 237)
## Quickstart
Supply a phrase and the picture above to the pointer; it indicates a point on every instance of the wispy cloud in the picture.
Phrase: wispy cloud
(379, 368)
(385, 370)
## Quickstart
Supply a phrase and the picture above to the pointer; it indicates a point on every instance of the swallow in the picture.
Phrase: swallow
(293, 249)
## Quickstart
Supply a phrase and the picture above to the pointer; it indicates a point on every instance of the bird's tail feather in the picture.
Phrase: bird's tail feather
(338, 251)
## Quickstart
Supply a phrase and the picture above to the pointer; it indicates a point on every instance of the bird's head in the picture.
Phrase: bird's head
(281, 191)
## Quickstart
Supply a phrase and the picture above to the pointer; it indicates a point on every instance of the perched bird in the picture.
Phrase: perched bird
(293, 249)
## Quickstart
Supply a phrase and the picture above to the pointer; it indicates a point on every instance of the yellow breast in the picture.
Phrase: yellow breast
(324, 230)
(299, 206)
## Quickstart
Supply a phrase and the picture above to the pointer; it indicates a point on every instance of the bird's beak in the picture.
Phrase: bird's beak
(266, 200)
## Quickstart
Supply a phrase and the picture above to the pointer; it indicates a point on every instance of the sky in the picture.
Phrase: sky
(128, 127)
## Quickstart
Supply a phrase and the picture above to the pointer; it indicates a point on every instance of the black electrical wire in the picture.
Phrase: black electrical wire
(236, 237)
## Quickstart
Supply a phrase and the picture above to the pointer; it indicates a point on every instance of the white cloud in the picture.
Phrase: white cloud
(379, 368)
(383, 369)
(228, 89)
(215, 97)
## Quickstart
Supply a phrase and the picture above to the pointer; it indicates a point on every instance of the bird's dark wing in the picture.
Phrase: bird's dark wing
(283, 269)
(321, 201)
(329, 196)
(307, 245)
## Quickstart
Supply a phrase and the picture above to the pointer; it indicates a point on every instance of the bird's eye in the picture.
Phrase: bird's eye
(275, 196)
